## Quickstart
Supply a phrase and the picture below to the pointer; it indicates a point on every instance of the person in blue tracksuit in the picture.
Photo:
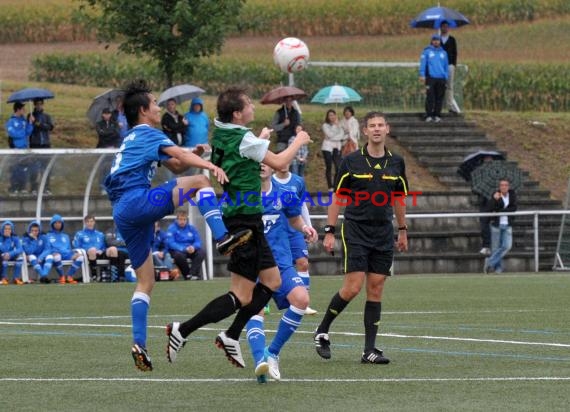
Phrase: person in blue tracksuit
(19, 130)
(434, 73)
(90, 240)
(61, 249)
(183, 242)
(117, 253)
(160, 255)
(11, 251)
(37, 250)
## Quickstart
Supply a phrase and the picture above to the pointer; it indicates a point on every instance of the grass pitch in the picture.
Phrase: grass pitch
(457, 342)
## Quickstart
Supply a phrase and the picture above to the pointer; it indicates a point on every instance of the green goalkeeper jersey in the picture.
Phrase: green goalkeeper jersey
(239, 152)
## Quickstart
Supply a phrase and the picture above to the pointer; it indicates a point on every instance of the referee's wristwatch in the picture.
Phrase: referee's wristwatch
(329, 229)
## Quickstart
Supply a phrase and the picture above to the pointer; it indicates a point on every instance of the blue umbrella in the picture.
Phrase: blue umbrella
(432, 18)
(30, 93)
(336, 94)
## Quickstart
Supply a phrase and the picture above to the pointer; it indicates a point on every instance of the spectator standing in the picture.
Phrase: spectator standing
(299, 163)
(60, 247)
(198, 124)
(109, 136)
(331, 146)
(433, 74)
(503, 200)
(108, 132)
(19, 130)
(11, 251)
(92, 241)
(183, 242)
(37, 251)
(40, 139)
(197, 130)
(160, 255)
(174, 124)
(351, 128)
(284, 123)
(120, 117)
(367, 233)
(449, 44)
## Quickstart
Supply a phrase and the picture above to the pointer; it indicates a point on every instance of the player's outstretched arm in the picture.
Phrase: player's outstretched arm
(181, 160)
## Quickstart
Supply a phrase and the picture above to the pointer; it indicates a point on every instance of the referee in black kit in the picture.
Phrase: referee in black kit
(370, 181)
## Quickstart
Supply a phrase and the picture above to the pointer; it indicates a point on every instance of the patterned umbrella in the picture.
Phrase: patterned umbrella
(336, 94)
(476, 159)
(485, 179)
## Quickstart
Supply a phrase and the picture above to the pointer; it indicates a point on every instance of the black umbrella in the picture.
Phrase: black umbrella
(485, 179)
(106, 100)
(474, 160)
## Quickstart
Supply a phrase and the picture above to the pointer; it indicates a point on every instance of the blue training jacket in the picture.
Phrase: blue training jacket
(434, 63)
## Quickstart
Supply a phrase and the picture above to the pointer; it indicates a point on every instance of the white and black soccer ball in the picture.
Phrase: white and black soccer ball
(291, 55)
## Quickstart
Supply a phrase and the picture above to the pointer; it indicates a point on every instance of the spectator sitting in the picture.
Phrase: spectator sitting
(11, 250)
(60, 247)
(38, 251)
(117, 253)
(92, 241)
(183, 241)
(19, 130)
(160, 255)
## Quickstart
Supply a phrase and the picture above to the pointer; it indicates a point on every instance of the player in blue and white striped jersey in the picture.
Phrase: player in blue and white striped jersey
(281, 209)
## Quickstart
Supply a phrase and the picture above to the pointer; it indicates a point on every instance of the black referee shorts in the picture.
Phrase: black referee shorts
(367, 248)
(255, 255)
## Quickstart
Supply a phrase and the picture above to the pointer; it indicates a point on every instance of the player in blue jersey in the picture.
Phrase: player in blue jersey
(136, 206)
(281, 211)
(296, 184)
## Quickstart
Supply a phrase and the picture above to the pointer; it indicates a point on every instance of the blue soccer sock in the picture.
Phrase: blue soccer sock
(208, 205)
(288, 324)
(139, 313)
(57, 263)
(75, 265)
(47, 266)
(256, 338)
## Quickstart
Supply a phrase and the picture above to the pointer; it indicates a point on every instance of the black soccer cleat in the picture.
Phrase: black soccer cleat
(374, 356)
(232, 240)
(141, 358)
(322, 345)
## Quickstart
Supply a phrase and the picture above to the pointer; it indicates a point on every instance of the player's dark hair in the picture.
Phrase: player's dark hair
(136, 97)
(230, 101)
(372, 115)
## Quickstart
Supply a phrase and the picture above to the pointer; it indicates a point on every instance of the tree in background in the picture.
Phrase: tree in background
(175, 33)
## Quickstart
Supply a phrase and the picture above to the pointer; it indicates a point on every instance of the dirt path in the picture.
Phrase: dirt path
(16, 58)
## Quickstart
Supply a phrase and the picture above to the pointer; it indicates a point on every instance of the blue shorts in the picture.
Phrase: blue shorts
(298, 245)
(134, 216)
(290, 279)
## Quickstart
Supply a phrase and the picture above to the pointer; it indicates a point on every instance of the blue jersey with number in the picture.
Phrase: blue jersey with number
(136, 161)
(296, 185)
(278, 206)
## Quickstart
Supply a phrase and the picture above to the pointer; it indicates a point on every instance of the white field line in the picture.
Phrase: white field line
(326, 380)
(387, 335)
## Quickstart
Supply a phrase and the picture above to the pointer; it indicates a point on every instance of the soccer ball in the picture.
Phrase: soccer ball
(291, 55)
